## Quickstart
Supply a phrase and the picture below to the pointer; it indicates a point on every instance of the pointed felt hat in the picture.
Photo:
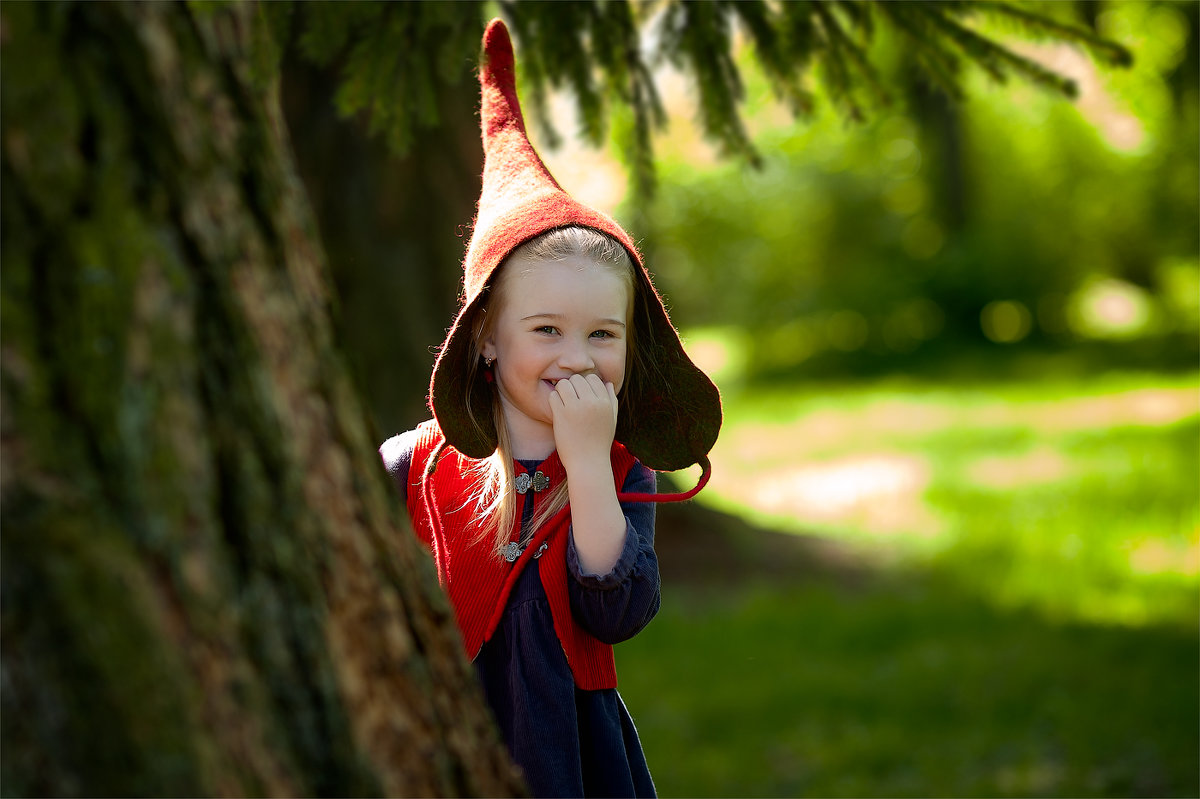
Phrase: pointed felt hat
(670, 412)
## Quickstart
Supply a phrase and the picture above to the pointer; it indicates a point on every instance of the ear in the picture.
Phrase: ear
(487, 348)
(485, 341)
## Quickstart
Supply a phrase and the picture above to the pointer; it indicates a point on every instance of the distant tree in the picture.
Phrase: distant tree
(207, 585)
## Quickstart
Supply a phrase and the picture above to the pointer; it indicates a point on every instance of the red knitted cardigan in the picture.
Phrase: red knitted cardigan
(478, 581)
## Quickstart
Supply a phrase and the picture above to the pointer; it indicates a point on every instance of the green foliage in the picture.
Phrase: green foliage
(394, 57)
(897, 240)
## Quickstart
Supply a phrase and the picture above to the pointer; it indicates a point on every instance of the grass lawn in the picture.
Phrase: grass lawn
(1028, 626)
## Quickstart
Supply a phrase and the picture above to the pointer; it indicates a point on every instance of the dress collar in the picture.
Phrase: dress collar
(538, 476)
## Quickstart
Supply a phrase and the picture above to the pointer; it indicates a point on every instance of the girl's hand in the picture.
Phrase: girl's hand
(584, 411)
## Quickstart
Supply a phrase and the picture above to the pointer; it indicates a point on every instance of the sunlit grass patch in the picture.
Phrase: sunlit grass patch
(1117, 540)
(1043, 464)
(1078, 498)
(879, 491)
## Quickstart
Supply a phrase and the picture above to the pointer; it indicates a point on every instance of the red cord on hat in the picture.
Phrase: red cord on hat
(706, 472)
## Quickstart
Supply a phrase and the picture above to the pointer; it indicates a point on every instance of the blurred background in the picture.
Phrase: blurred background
(952, 541)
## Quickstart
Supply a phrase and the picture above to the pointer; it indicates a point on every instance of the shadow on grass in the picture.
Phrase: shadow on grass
(783, 665)
(701, 546)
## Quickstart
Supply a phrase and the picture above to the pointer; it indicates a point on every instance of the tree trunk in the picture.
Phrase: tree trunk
(395, 229)
(208, 588)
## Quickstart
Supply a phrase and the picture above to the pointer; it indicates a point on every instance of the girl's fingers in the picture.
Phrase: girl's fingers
(582, 386)
(563, 386)
(596, 384)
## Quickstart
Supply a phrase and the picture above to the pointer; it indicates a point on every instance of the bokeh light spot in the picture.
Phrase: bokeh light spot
(1006, 321)
(1110, 308)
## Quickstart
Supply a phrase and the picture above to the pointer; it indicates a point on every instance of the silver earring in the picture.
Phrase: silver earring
(488, 362)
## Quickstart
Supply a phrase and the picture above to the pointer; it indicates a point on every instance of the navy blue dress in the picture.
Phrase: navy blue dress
(569, 742)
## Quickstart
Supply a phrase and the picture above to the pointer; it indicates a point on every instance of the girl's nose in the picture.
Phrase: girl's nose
(576, 358)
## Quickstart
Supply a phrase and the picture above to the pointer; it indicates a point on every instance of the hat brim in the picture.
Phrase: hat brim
(670, 412)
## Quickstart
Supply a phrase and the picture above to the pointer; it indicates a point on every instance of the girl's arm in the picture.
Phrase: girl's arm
(397, 453)
(616, 606)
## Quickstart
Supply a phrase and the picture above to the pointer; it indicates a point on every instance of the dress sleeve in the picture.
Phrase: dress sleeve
(614, 607)
(397, 454)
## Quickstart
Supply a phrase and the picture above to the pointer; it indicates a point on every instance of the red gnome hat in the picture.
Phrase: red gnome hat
(671, 412)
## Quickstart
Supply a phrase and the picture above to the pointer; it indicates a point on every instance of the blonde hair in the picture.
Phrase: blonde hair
(494, 497)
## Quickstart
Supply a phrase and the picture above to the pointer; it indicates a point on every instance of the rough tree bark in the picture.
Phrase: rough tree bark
(207, 587)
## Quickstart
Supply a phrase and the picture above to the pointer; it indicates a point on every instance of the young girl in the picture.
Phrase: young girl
(559, 387)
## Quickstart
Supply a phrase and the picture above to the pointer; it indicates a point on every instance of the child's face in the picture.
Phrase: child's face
(554, 319)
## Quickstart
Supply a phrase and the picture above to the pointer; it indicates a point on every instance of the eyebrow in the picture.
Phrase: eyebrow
(558, 316)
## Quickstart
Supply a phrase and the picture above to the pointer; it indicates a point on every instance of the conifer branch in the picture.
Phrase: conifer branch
(857, 56)
(533, 76)
(995, 59)
(859, 14)
(697, 38)
(799, 36)
(754, 18)
(835, 64)
(576, 58)
(1035, 26)
(393, 57)
(648, 112)
(799, 30)
(938, 64)
(782, 69)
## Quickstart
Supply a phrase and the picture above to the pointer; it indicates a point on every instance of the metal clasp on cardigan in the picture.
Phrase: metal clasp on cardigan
(539, 482)
(513, 550)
